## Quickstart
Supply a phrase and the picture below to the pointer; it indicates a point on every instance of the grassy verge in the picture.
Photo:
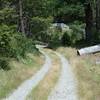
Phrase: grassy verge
(87, 73)
(20, 71)
(45, 87)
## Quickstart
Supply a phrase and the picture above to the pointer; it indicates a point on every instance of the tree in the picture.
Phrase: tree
(21, 16)
(98, 15)
(88, 20)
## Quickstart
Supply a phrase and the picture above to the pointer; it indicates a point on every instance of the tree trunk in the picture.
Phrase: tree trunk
(21, 17)
(89, 21)
(98, 15)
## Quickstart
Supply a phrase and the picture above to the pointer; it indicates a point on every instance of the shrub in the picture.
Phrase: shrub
(66, 38)
(5, 35)
(20, 44)
(4, 64)
(14, 44)
(76, 34)
(55, 32)
(39, 27)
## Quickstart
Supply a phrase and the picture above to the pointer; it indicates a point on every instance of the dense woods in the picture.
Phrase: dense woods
(25, 22)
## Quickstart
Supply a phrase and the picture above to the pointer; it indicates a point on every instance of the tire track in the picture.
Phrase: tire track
(66, 88)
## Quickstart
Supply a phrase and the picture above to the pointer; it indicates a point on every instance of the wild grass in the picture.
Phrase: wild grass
(87, 73)
(20, 71)
(43, 90)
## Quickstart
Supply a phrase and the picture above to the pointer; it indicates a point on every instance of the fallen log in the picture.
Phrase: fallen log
(87, 50)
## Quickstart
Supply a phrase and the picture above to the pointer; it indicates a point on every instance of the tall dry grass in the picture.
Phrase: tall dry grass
(86, 71)
(20, 71)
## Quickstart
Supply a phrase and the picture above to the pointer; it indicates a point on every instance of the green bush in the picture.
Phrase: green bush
(5, 37)
(39, 27)
(76, 34)
(67, 38)
(20, 45)
(4, 64)
(55, 34)
(14, 44)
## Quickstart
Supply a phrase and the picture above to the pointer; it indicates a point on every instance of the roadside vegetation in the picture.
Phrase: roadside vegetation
(19, 71)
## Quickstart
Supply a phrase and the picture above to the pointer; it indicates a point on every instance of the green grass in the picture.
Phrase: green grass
(20, 71)
(86, 71)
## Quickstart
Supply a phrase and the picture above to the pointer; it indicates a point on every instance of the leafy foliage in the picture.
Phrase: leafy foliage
(4, 64)
(7, 15)
(74, 35)
(39, 27)
(77, 11)
(13, 44)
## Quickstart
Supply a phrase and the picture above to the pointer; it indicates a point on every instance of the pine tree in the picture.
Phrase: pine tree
(98, 15)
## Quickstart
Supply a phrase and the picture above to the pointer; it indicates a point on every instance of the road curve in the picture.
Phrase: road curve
(25, 88)
(66, 88)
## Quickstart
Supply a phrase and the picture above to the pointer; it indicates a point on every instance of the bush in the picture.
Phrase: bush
(55, 32)
(76, 34)
(4, 64)
(14, 44)
(39, 27)
(5, 37)
(67, 38)
(20, 45)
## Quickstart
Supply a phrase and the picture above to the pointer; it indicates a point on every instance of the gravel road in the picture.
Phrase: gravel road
(66, 88)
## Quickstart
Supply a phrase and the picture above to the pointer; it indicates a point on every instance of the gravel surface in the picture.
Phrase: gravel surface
(26, 87)
(66, 88)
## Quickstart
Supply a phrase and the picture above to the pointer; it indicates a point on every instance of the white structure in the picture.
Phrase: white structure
(63, 26)
(88, 50)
